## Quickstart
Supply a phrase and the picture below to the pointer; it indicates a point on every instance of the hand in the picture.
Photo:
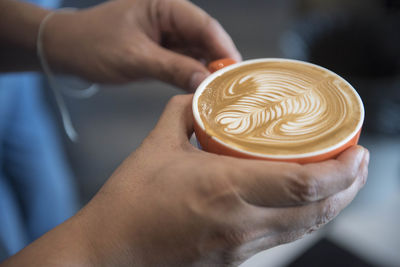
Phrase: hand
(170, 204)
(125, 40)
(174, 204)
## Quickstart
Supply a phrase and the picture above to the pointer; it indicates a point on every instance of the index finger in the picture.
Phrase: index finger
(193, 24)
(275, 184)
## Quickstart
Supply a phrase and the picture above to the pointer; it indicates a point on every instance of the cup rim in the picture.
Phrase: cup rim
(218, 73)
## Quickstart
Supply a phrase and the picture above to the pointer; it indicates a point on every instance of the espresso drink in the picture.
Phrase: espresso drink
(279, 108)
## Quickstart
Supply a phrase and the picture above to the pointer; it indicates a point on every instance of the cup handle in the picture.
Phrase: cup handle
(219, 64)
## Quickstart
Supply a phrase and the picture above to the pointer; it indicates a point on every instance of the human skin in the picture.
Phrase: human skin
(171, 204)
(118, 41)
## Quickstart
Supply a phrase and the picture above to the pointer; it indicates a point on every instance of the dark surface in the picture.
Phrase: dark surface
(327, 254)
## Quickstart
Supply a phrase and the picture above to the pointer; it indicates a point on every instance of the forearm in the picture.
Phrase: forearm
(96, 236)
(65, 245)
(19, 26)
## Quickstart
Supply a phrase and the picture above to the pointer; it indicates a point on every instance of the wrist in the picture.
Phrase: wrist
(113, 238)
(19, 26)
(66, 245)
(59, 41)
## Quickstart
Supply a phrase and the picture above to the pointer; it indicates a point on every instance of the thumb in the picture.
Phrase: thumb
(177, 69)
(176, 122)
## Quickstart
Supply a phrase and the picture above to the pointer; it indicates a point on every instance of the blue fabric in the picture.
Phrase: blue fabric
(36, 186)
(36, 189)
(45, 3)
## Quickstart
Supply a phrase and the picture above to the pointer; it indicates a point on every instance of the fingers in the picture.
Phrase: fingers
(192, 30)
(293, 222)
(333, 176)
(284, 224)
(274, 226)
(198, 29)
(176, 123)
(216, 43)
(177, 69)
(283, 184)
(262, 228)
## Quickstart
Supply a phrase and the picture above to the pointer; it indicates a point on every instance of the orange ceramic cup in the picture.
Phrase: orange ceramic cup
(214, 145)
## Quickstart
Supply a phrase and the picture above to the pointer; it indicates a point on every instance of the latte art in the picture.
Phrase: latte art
(279, 108)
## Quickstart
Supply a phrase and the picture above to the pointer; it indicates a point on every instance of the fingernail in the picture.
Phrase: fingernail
(196, 79)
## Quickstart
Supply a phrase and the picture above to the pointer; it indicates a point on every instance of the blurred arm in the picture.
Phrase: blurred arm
(117, 41)
(19, 25)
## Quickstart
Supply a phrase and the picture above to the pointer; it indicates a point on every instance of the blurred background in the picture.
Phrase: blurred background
(359, 40)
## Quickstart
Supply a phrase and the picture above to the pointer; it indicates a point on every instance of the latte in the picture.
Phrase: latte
(279, 107)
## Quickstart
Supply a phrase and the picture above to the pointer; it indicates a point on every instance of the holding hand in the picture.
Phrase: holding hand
(125, 40)
(171, 204)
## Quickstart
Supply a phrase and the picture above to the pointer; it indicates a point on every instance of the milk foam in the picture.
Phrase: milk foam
(279, 108)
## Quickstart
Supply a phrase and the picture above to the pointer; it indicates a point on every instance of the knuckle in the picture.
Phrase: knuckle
(329, 211)
(352, 176)
(226, 236)
(302, 187)
(234, 237)
(231, 234)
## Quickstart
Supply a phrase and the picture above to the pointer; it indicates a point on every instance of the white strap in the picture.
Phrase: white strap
(57, 87)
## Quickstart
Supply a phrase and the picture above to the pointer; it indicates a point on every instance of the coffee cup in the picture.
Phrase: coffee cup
(276, 109)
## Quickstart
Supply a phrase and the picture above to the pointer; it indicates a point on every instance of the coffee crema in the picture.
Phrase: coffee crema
(279, 108)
